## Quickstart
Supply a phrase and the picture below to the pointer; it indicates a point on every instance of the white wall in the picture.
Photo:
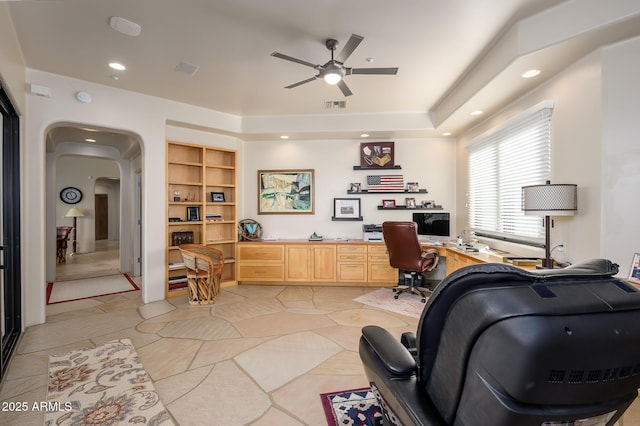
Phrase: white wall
(594, 145)
(142, 115)
(76, 171)
(620, 151)
(431, 163)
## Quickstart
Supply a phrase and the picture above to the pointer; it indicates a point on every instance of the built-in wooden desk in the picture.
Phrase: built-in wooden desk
(329, 262)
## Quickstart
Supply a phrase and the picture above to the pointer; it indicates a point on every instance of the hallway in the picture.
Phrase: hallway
(104, 261)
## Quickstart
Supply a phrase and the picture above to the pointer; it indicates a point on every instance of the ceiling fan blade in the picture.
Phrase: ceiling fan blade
(292, 59)
(291, 86)
(345, 89)
(348, 49)
(374, 71)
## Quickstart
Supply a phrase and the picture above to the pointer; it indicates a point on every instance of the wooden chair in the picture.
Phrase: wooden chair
(62, 236)
(204, 272)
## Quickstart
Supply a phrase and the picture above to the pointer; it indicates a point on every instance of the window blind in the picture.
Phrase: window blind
(501, 162)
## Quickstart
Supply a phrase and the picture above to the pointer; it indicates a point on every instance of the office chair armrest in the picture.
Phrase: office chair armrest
(408, 340)
(392, 354)
(429, 253)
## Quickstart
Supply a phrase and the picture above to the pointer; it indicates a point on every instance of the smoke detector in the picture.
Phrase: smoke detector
(125, 26)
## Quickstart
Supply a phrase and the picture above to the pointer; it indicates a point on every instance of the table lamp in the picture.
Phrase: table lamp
(75, 213)
(549, 200)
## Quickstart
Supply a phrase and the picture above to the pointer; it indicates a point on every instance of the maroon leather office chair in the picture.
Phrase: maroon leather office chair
(406, 254)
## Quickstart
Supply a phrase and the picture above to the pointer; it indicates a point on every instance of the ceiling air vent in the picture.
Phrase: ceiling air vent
(335, 104)
(187, 68)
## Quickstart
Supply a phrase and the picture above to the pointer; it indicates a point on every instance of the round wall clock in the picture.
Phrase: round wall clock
(71, 195)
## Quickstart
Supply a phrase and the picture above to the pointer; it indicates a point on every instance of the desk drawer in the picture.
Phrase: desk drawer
(264, 252)
(260, 272)
(354, 272)
(352, 257)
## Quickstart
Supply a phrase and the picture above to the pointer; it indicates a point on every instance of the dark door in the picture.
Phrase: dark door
(10, 279)
(102, 216)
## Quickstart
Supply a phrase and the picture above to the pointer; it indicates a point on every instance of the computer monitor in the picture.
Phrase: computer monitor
(432, 224)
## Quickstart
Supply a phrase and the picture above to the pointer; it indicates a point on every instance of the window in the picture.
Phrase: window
(501, 162)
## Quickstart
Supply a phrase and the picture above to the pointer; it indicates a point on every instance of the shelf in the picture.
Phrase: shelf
(408, 208)
(364, 191)
(377, 168)
(353, 219)
(197, 171)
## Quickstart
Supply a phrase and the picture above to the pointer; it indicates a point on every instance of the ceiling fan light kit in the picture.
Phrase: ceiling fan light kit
(334, 71)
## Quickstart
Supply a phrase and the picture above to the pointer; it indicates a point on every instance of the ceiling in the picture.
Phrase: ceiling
(437, 45)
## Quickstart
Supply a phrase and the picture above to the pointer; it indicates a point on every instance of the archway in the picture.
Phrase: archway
(86, 158)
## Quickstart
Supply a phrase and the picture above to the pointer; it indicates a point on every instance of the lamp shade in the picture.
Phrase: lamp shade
(74, 212)
(550, 199)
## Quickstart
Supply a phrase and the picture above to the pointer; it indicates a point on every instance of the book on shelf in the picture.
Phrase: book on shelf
(176, 265)
(177, 286)
(177, 280)
(213, 217)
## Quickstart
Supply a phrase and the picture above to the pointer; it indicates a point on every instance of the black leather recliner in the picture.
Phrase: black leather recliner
(497, 345)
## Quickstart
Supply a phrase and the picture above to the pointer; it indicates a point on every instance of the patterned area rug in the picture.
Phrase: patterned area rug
(357, 407)
(66, 291)
(407, 304)
(105, 385)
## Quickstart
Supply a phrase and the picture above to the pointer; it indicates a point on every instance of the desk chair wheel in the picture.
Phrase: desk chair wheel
(424, 300)
(396, 296)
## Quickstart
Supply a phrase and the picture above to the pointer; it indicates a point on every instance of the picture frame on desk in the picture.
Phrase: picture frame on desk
(634, 271)
(388, 204)
(346, 209)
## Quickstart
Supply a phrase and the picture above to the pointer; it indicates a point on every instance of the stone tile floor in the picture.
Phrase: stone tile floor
(261, 355)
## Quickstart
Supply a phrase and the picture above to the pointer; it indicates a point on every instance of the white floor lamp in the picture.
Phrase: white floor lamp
(549, 200)
(75, 213)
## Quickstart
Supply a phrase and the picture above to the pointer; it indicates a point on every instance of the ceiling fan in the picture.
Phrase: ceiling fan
(334, 71)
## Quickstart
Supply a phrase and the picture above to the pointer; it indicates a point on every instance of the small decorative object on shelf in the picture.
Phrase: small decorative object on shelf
(193, 214)
(430, 204)
(413, 187)
(355, 187)
(634, 272)
(346, 209)
(217, 197)
(410, 203)
(176, 195)
(385, 183)
(388, 204)
(315, 237)
(377, 155)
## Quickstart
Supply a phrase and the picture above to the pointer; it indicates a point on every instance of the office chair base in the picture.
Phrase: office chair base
(420, 291)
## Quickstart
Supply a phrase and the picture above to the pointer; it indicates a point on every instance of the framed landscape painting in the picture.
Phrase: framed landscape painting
(285, 191)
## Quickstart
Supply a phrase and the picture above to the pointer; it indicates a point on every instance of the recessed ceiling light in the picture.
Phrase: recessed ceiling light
(531, 73)
(364, 135)
(90, 140)
(446, 134)
(284, 137)
(114, 77)
(478, 112)
(117, 66)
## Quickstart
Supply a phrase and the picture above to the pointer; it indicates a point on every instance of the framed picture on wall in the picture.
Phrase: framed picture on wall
(634, 272)
(389, 204)
(285, 191)
(377, 155)
(346, 209)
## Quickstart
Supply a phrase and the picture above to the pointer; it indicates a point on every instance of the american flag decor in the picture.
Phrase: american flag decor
(385, 183)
